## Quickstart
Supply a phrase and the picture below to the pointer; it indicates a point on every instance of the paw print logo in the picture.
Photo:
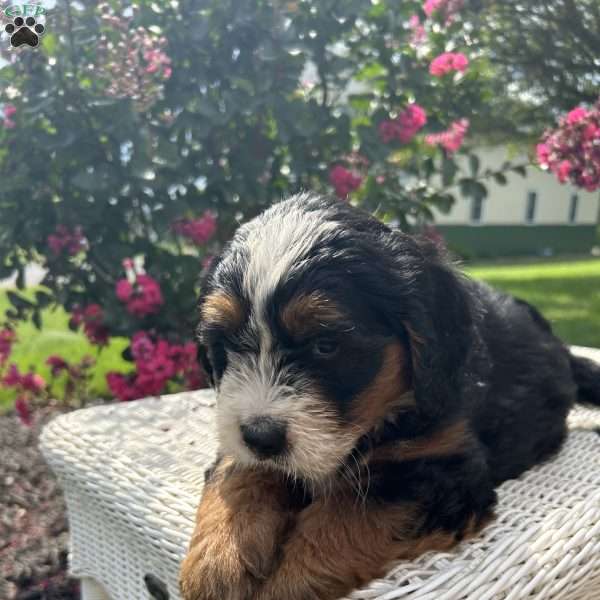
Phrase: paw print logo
(24, 31)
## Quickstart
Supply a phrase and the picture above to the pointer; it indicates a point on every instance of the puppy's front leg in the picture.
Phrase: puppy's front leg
(242, 516)
(339, 545)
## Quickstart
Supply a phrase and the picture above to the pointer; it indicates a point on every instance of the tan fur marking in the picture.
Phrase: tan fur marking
(310, 313)
(221, 309)
(386, 393)
(451, 440)
(241, 518)
(338, 546)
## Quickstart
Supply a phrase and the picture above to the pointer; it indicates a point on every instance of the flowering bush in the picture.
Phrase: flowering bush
(447, 62)
(572, 151)
(138, 136)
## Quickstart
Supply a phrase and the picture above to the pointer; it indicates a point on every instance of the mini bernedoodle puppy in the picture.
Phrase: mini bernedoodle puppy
(369, 399)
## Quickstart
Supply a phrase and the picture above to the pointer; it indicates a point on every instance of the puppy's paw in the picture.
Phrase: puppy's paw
(215, 571)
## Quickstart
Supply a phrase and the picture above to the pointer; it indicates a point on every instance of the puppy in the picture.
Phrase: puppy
(370, 398)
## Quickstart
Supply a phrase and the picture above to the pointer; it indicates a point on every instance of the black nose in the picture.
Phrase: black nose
(265, 436)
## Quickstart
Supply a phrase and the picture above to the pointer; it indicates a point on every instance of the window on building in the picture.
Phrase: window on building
(573, 208)
(531, 206)
(476, 210)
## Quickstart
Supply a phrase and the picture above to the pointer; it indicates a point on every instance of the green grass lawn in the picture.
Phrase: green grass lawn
(34, 347)
(567, 293)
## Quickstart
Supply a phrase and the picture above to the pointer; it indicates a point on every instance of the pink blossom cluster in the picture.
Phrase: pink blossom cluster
(29, 382)
(142, 297)
(157, 361)
(418, 35)
(447, 63)
(405, 126)
(73, 241)
(92, 319)
(7, 112)
(344, 181)
(27, 385)
(451, 139)
(131, 60)
(23, 410)
(158, 62)
(446, 7)
(57, 364)
(572, 151)
(198, 230)
(7, 339)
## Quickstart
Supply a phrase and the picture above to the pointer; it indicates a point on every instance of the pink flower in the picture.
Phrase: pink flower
(30, 382)
(431, 6)
(57, 364)
(572, 150)
(563, 171)
(157, 61)
(577, 115)
(122, 387)
(12, 378)
(128, 264)
(418, 31)
(543, 153)
(23, 411)
(9, 110)
(157, 362)
(92, 318)
(7, 339)
(446, 7)
(144, 297)
(447, 62)
(199, 230)
(405, 126)
(344, 181)
(62, 239)
(142, 346)
(451, 139)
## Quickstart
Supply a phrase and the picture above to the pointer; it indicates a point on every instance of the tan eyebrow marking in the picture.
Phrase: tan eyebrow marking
(222, 309)
(309, 313)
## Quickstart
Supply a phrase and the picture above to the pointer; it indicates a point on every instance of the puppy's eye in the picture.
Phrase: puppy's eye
(325, 347)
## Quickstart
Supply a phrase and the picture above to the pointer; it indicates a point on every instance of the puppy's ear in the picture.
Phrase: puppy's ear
(205, 287)
(440, 336)
(431, 308)
(205, 362)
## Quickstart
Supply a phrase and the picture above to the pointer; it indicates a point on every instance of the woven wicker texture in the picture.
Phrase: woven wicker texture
(133, 473)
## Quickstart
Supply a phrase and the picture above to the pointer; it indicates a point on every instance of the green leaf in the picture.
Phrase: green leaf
(474, 163)
(20, 281)
(521, 170)
(500, 178)
(473, 189)
(449, 171)
(19, 302)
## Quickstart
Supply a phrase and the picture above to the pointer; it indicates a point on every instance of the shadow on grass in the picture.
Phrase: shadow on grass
(572, 305)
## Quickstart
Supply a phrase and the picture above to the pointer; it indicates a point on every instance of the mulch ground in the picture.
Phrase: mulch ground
(33, 523)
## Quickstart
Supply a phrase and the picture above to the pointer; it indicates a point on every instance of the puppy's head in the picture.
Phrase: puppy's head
(318, 323)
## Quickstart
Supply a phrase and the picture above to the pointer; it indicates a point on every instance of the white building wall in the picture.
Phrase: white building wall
(506, 205)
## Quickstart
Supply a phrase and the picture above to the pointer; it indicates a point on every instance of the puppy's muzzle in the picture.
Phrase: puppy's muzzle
(266, 437)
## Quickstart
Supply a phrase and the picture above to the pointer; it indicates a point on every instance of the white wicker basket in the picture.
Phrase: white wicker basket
(133, 473)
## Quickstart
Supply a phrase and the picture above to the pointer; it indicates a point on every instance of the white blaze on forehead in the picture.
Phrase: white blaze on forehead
(276, 243)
